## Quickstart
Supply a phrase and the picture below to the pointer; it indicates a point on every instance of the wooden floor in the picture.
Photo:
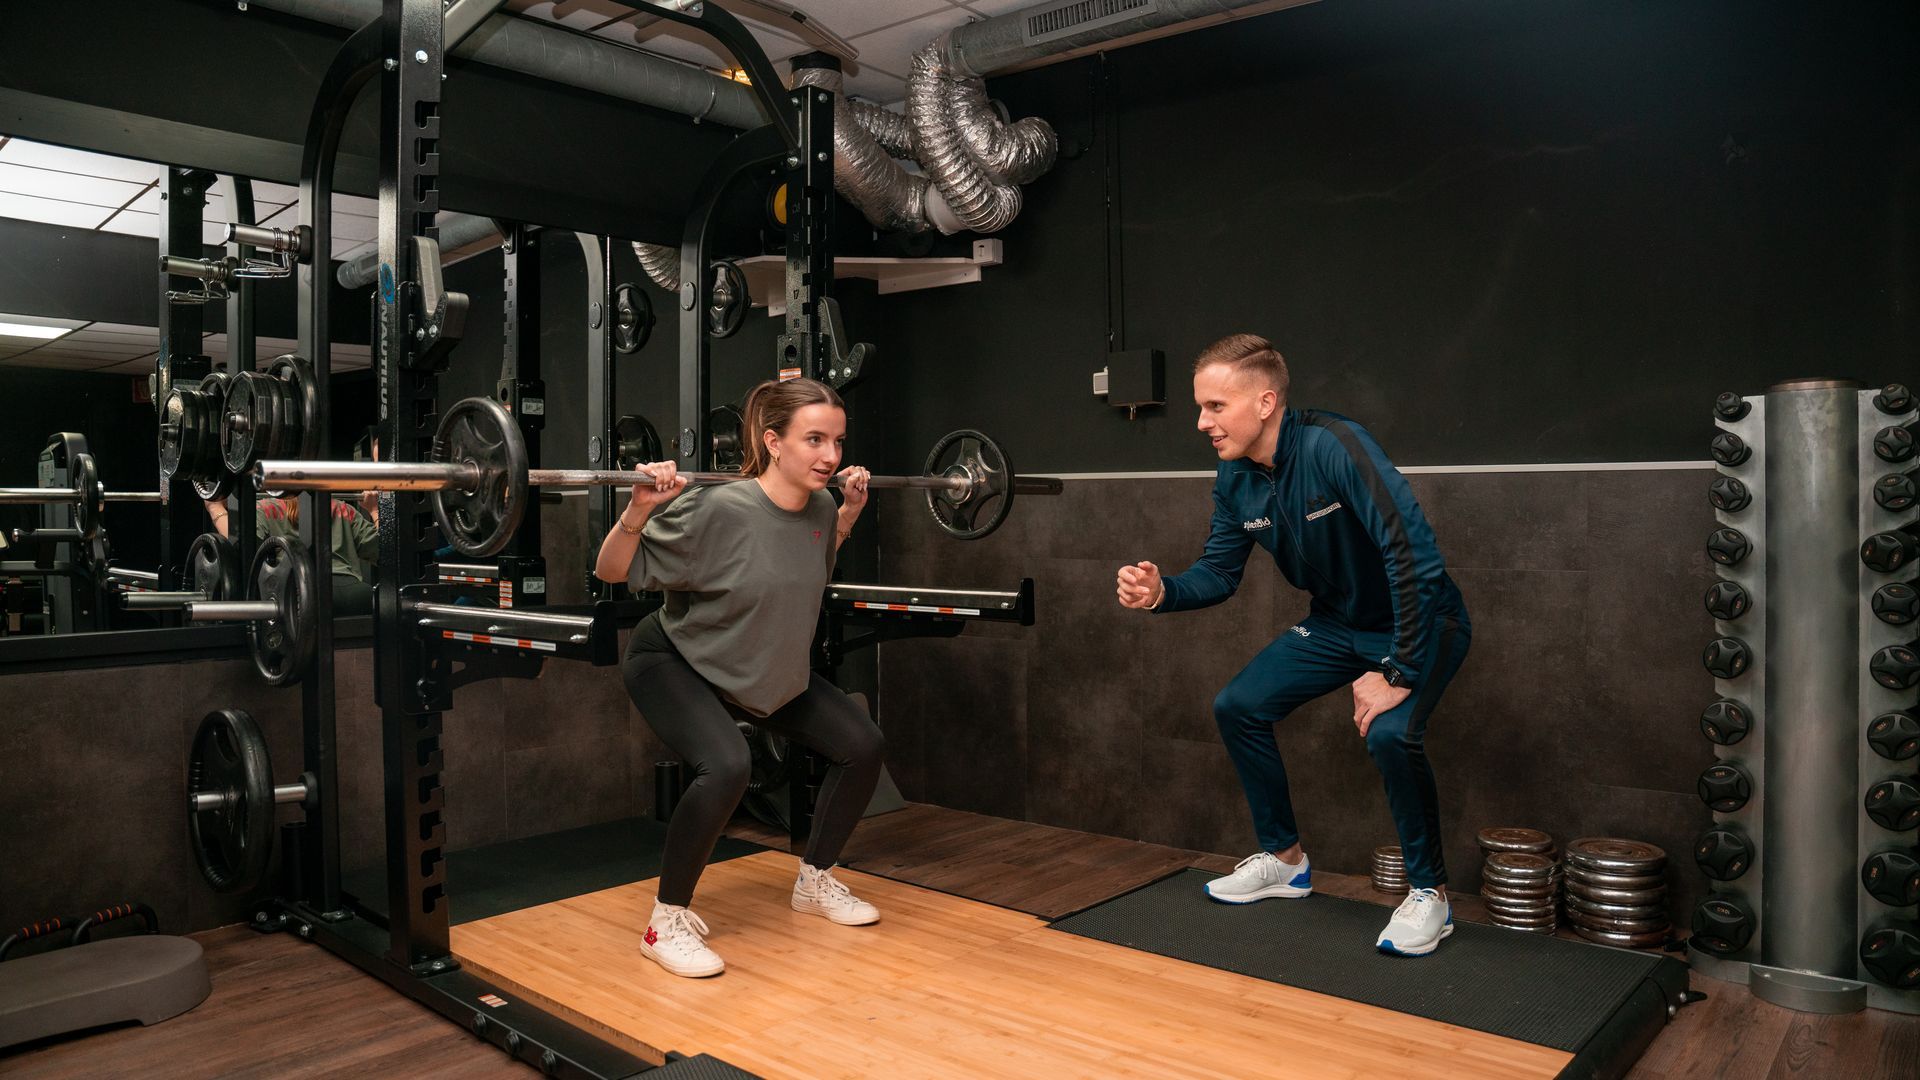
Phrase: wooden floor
(942, 986)
(282, 1007)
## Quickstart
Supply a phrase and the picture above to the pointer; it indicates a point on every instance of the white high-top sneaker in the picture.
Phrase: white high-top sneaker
(1262, 876)
(676, 939)
(1418, 924)
(818, 892)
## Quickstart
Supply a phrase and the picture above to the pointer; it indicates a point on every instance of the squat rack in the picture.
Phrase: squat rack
(415, 323)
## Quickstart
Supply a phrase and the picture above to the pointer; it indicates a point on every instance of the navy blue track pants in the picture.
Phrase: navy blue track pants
(1317, 657)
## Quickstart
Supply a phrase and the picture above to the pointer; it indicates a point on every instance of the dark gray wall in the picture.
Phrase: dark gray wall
(1493, 232)
(1576, 711)
(95, 789)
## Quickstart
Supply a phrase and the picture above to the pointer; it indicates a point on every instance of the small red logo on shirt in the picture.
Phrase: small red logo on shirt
(816, 536)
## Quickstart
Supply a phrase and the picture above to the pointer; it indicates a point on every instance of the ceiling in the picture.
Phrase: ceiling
(81, 190)
(886, 33)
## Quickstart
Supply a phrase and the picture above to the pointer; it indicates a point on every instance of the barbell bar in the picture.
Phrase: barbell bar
(86, 495)
(479, 479)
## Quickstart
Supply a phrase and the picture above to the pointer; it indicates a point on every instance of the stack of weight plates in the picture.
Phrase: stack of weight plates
(1617, 892)
(1521, 889)
(1389, 869)
(1520, 893)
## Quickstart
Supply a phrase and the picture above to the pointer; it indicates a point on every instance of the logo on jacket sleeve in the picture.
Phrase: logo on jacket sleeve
(1318, 507)
(1257, 524)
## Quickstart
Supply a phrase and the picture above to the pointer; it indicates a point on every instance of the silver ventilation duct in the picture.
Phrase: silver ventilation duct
(576, 60)
(864, 173)
(1016, 153)
(661, 262)
(980, 202)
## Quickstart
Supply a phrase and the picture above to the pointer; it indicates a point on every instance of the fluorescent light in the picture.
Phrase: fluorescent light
(28, 330)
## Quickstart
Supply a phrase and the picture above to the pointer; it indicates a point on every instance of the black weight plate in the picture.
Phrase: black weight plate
(726, 435)
(212, 568)
(971, 456)
(1896, 492)
(208, 409)
(92, 501)
(176, 432)
(295, 375)
(243, 422)
(632, 318)
(1892, 877)
(635, 441)
(1895, 735)
(773, 762)
(282, 646)
(730, 299)
(478, 432)
(233, 841)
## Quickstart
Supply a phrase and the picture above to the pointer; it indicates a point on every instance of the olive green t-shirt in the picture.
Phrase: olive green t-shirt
(356, 542)
(743, 580)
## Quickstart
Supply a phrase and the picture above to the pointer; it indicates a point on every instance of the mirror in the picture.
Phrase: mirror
(79, 340)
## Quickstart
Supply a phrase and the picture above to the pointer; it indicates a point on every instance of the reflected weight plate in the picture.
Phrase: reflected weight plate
(212, 568)
(283, 646)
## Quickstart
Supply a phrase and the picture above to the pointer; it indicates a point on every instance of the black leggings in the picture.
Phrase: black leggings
(690, 716)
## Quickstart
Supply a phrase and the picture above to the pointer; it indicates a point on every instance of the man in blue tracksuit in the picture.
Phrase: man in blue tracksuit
(1318, 494)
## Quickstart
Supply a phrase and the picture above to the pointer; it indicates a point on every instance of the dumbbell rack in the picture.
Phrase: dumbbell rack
(1791, 923)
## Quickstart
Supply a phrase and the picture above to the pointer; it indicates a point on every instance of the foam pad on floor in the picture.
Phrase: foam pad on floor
(1532, 987)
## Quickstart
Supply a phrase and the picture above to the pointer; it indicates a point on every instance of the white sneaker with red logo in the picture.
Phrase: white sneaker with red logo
(818, 892)
(676, 939)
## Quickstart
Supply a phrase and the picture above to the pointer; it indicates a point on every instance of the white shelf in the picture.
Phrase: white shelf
(767, 274)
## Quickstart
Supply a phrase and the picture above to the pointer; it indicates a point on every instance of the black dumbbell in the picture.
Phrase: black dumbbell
(1727, 657)
(1894, 444)
(1892, 955)
(1892, 877)
(1722, 853)
(1726, 722)
(1725, 788)
(1895, 735)
(1894, 804)
(1726, 600)
(1730, 449)
(1894, 400)
(1887, 552)
(1731, 406)
(1897, 667)
(1728, 546)
(1897, 492)
(1896, 603)
(1722, 924)
(1729, 495)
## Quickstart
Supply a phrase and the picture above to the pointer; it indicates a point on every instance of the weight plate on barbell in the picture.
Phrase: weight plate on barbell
(979, 509)
(282, 646)
(85, 478)
(479, 432)
(231, 841)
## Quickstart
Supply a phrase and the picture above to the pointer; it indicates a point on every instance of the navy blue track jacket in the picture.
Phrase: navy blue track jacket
(1341, 523)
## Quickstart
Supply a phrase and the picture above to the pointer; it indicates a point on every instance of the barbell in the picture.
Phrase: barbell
(479, 478)
(86, 494)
